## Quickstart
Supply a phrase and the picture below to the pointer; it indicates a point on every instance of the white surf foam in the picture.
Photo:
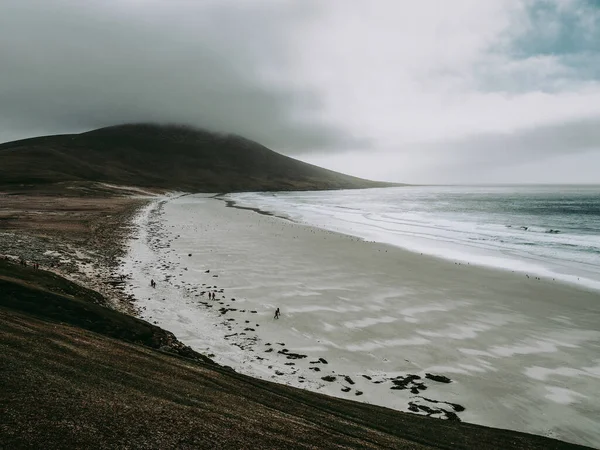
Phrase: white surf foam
(392, 216)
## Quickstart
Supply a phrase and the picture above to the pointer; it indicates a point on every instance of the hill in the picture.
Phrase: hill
(74, 374)
(164, 157)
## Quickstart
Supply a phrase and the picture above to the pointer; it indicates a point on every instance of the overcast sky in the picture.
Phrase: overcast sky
(434, 91)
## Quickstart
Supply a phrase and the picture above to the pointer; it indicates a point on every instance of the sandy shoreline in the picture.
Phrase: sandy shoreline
(370, 311)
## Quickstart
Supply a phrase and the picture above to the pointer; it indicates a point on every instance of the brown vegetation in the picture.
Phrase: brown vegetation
(76, 230)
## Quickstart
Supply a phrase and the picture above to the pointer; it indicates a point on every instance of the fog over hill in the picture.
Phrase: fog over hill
(166, 157)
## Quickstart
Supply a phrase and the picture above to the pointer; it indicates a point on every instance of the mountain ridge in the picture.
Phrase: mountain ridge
(172, 157)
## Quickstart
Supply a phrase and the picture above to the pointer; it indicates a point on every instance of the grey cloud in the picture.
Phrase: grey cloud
(560, 153)
(566, 152)
(70, 66)
(527, 144)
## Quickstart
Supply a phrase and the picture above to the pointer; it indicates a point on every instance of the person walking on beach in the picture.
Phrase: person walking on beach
(152, 283)
(277, 314)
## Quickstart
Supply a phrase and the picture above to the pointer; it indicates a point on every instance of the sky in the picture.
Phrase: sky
(434, 91)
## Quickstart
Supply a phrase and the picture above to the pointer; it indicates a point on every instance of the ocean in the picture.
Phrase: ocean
(543, 231)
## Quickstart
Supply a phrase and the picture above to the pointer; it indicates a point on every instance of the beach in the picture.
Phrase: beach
(368, 321)
(78, 372)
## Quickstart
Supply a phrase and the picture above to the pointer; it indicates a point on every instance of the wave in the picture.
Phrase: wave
(450, 224)
(535, 229)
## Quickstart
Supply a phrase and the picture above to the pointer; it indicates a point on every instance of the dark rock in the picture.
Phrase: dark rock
(438, 378)
(403, 382)
(291, 355)
(348, 379)
(329, 378)
(428, 410)
(455, 406)
(451, 416)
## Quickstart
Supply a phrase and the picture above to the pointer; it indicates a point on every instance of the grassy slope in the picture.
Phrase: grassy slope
(76, 374)
(49, 296)
(167, 157)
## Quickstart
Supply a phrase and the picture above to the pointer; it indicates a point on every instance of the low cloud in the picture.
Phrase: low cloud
(526, 145)
(561, 153)
(72, 66)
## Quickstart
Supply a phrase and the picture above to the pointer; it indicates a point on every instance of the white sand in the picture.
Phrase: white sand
(523, 354)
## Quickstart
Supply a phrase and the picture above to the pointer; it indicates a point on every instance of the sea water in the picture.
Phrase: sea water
(547, 231)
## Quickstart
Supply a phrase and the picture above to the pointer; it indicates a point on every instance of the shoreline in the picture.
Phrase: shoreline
(234, 278)
(410, 382)
(459, 252)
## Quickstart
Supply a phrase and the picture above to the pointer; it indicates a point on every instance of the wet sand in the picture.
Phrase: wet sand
(368, 322)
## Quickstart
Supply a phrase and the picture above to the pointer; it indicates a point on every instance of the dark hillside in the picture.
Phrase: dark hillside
(166, 157)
